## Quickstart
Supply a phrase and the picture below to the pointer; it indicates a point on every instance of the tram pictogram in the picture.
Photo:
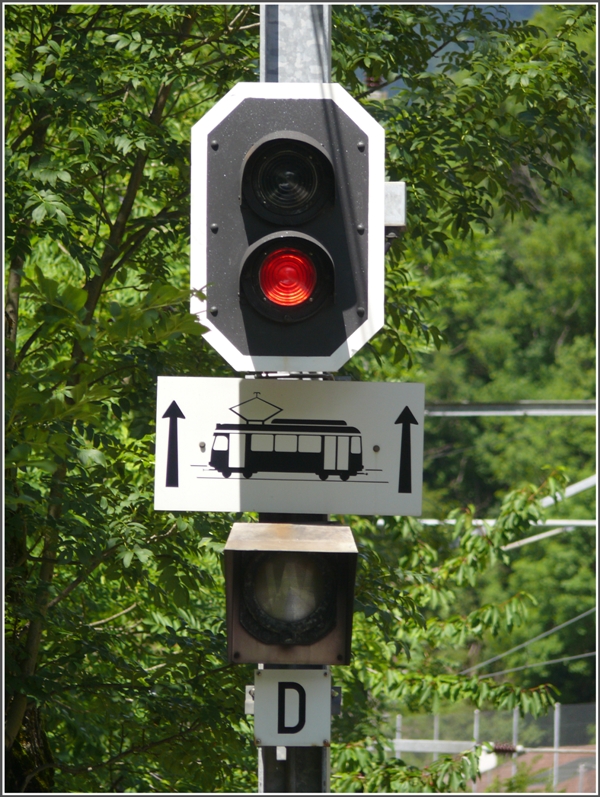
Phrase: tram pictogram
(264, 443)
(298, 446)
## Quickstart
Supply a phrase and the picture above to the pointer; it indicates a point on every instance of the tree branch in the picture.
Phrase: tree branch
(135, 241)
(386, 83)
(9, 121)
(28, 343)
(12, 310)
(111, 250)
(97, 561)
(113, 617)
(29, 130)
(117, 757)
(39, 128)
(81, 577)
(241, 15)
(18, 706)
(101, 205)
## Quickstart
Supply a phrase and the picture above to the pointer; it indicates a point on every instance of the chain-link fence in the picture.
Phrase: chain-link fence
(557, 752)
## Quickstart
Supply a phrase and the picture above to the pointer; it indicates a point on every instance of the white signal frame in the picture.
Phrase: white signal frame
(201, 132)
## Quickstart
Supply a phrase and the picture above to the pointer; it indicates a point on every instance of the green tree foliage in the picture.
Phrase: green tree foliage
(116, 658)
(517, 308)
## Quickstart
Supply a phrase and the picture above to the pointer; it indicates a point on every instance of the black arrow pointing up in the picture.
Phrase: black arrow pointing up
(406, 418)
(173, 413)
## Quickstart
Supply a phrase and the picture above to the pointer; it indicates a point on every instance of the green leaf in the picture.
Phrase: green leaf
(91, 456)
(143, 554)
(73, 298)
(18, 455)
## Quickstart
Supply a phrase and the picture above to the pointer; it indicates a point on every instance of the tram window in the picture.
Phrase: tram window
(221, 442)
(261, 442)
(355, 447)
(286, 442)
(309, 444)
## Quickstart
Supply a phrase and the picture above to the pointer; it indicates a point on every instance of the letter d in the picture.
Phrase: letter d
(281, 726)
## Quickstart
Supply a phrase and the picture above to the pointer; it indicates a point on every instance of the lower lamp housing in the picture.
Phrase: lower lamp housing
(290, 593)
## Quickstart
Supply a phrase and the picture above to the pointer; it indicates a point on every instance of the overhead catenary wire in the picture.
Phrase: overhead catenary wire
(471, 409)
(565, 525)
(529, 642)
(538, 664)
(536, 537)
(429, 521)
(572, 489)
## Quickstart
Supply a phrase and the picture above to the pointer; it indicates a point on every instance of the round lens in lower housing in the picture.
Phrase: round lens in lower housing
(288, 598)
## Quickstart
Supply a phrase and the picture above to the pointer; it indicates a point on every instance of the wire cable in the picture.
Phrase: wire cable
(538, 664)
(529, 641)
(572, 489)
(482, 522)
(535, 538)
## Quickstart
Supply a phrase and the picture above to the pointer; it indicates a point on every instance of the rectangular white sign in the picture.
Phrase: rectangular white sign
(268, 445)
(292, 708)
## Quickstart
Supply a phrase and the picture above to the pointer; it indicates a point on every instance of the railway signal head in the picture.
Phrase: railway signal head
(290, 591)
(287, 237)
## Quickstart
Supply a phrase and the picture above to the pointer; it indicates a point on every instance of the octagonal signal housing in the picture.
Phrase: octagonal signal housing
(287, 226)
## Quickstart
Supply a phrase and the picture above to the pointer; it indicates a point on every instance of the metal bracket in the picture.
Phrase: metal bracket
(336, 700)
(395, 205)
(249, 702)
(395, 212)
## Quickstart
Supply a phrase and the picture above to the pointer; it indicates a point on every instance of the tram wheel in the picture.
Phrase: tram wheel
(226, 473)
(344, 476)
(323, 476)
(247, 474)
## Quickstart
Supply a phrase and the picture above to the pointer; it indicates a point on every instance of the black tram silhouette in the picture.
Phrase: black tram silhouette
(264, 443)
(287, 445)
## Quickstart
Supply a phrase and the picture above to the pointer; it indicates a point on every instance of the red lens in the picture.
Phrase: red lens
(287, 277)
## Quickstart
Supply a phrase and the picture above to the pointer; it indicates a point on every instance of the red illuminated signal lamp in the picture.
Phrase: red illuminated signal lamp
(287, 277)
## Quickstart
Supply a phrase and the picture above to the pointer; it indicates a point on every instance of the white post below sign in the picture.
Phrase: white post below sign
(292, 708)
(267, 445)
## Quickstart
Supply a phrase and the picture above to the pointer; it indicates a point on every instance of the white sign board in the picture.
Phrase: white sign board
(267, 445)
(292, 708)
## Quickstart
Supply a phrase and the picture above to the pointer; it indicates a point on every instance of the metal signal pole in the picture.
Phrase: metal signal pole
(295, 43)
(295, 47)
